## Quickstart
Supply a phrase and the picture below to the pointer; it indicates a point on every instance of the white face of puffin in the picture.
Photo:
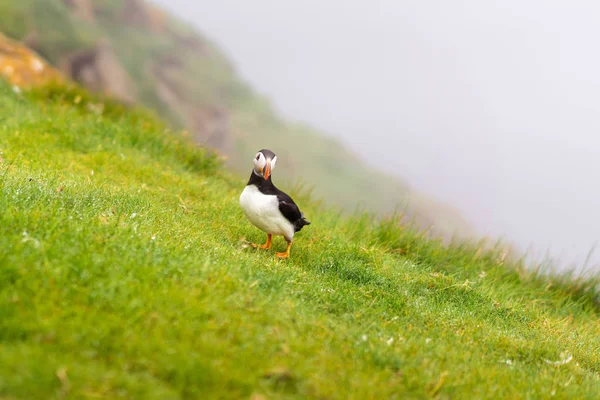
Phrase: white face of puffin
(263, 166)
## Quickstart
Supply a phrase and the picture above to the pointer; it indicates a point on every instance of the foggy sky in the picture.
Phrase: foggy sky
(491, 106)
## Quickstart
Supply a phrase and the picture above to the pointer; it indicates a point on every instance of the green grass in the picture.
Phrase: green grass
(124, 273)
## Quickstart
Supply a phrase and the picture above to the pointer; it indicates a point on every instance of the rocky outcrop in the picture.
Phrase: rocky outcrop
(209, 123)
(99, 70)
(136, 12)
(22, 67)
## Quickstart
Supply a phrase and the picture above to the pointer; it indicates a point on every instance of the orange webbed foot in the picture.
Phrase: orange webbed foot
(286, 253)
(265, 246)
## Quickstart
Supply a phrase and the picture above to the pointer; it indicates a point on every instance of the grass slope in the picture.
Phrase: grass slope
(123, 274)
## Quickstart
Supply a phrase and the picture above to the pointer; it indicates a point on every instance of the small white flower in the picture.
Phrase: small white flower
(390, 341)
(153, 237)
(27, 238)
(92, 172)
(428, 340)
(364, 338)
(133, 216)
(564, 359)
(16, 89)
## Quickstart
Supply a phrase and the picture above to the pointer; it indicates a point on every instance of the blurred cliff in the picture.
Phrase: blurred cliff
(135, 52)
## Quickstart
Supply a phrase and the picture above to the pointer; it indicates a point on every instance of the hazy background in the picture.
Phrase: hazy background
(493, 107)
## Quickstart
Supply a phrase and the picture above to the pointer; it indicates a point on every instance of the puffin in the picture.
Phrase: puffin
(268, 208)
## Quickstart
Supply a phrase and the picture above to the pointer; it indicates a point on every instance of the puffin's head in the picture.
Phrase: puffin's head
(264, 162)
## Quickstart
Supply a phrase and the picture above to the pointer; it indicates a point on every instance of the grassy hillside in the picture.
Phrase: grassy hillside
(125, 272)
(160, 62)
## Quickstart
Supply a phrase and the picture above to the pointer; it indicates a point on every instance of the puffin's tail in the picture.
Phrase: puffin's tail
(301, 222)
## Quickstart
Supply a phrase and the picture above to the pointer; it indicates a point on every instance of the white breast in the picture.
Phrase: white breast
(263, 211)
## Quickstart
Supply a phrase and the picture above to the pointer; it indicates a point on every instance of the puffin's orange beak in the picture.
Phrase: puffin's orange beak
(267, 170)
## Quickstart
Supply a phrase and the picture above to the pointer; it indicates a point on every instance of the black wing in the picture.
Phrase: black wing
(290, 210)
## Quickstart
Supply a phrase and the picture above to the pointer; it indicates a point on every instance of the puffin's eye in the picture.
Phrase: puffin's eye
(258, 157)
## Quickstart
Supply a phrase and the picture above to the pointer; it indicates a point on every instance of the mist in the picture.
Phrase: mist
(492, 107)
